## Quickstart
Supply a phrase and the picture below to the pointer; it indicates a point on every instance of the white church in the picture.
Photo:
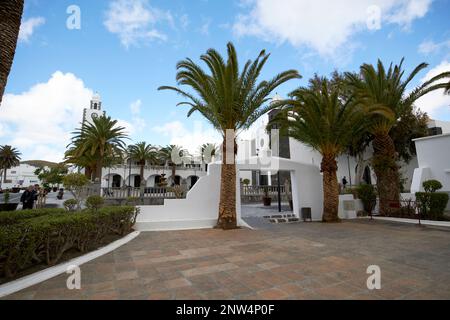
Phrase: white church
(127, 174)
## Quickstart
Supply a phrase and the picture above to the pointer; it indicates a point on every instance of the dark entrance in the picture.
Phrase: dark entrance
(116, 181)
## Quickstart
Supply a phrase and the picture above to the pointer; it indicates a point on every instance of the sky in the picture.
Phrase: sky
(126, 49)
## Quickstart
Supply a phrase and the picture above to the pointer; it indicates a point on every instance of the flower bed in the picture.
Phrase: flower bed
(46, 236)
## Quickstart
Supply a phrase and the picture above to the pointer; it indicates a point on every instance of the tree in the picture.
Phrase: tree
(318, 117)
(208, 151)
(167, 154)
(142, 152)
(75, 183)
(53, 176)
(230, 100)
(388, 88)
(9, 157)
(101, 140)
(10, 19)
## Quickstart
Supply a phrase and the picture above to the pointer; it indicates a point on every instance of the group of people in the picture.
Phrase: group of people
(31, 195)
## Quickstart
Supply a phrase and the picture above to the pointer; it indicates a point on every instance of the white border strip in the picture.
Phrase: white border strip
(38, 277)
(415, 221)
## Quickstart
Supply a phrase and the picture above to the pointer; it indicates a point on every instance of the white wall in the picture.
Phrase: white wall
(433, 156)
(20, 176)
(199, 209)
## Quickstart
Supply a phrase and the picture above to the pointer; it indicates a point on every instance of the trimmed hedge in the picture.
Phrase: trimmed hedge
(45, 237)
(432, 204)
(12, 217)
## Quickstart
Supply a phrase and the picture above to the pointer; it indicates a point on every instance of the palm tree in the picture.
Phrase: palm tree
(10, 18)
(102, 139)
(231, 100)
(378, 87)
(318, 117)
(208, 150)
(166, 155)
(142, 152)
(9, 157)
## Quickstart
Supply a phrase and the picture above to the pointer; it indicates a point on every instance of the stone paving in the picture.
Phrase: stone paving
(289, 261)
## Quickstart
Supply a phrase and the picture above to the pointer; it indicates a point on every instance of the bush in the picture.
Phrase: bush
(45, 238)
(12, 217)
(432, 185)
(432, 204)
(368, 196)
(70, 204)
(94, 203)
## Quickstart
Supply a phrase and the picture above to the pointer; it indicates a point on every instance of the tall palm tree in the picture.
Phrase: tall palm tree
(208, 150)
(9, 157)
(10, 18)
(388, 88)
(102, 139)
(142, 152)
(231, 100)
(166, 155)
(318, 117)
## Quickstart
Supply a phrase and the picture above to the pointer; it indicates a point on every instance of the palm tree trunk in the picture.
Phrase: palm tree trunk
(386, 170)
(173, 172)
(330, 189)
(98, 170)
(227, 204)
(10, 18)
(4, 174)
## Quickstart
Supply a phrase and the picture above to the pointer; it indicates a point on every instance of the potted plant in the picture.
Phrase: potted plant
(267, 200)
(6, 205)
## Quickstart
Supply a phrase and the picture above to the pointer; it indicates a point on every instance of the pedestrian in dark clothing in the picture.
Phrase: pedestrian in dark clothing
(344, 182)
(28, 198)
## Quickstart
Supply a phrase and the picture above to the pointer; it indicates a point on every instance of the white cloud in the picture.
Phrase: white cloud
(138, 122)
(134, 21)
(191, 140)
(323, 25)
(204, 29)
(40, 120)
(430, 47)
(135, 107)
(435, 102)
(28, 26)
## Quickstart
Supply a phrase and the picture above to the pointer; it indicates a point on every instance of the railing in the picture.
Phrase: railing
(162, 168)
(261, 190)
(405, 209)
(123, 193)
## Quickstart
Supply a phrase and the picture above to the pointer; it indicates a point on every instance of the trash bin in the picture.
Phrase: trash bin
(306, 214)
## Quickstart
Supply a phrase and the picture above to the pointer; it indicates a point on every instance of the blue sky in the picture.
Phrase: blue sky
(125, 49)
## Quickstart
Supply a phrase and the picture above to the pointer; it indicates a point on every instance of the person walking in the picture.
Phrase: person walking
(344, 182)
(28, 198)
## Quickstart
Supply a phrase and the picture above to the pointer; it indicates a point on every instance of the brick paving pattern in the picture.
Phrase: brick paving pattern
(294, 261)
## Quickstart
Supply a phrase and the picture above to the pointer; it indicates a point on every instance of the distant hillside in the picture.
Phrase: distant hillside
(40, 163)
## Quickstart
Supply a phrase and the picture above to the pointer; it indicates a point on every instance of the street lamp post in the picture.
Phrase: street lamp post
(129, 177)
(279, 191)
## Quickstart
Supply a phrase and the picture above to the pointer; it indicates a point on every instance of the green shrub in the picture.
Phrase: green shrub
(432, 204)
(246, 182)
(70, 204)
(94, 202)
(432, 185)
(368, 196)
(12, 217)
(45, 238)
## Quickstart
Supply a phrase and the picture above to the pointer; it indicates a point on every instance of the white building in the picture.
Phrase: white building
(128, 174)
(20, 176)
(353, 169)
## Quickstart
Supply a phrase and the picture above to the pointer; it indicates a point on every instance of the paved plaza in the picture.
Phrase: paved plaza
(286, 261)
